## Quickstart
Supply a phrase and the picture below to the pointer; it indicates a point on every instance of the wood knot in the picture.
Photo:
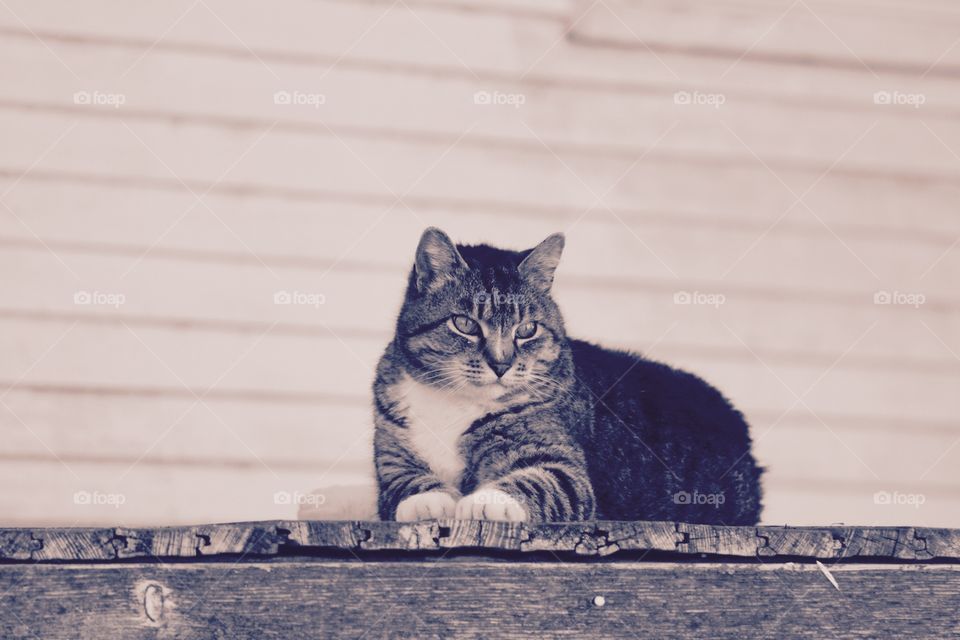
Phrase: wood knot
(153, 601)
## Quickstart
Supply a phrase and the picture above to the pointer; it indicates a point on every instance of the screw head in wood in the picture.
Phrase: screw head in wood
(599, 601)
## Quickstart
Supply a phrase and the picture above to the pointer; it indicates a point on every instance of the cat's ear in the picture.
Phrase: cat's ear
(437, 260)
(538, 267)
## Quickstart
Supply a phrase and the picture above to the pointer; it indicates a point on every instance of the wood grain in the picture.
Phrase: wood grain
(587, 539)
(477, 579)
(477, 599)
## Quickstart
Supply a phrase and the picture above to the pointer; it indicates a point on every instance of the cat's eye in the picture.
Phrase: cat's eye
(526, 330)
(465, 325)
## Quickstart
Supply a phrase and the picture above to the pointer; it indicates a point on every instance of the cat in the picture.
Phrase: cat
(485, 409)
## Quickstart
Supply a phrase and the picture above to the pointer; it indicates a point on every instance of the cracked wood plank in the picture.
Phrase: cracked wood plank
(477, 598)
(587, 539)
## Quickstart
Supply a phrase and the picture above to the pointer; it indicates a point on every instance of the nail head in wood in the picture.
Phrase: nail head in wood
(599, 601)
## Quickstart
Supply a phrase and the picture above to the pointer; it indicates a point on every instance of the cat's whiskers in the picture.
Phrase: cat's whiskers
(439, 373)
(453, 386)
(542, 386)
(441, 368)
(450, 385)
(438, 377)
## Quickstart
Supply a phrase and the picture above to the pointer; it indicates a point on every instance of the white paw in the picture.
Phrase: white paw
(490, 504)
(431, 505)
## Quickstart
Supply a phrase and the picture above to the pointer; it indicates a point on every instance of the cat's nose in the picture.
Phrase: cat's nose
(499, 368)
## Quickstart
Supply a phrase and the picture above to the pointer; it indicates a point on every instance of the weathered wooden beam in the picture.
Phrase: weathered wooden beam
(307, 598)
(264, 539)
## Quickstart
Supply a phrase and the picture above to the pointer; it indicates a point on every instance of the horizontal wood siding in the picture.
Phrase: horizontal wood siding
(793, 203)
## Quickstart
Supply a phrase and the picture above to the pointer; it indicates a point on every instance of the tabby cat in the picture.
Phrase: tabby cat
(485, 409)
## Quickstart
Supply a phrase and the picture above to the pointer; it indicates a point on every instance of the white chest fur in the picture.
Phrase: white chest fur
(435, 421)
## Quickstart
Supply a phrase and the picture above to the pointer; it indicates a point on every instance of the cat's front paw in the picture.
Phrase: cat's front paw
(431, 505)
(490, 504)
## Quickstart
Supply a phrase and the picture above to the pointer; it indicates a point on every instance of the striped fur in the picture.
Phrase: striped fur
(566, 431)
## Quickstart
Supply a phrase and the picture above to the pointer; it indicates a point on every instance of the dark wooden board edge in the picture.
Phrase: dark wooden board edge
(586, 539)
